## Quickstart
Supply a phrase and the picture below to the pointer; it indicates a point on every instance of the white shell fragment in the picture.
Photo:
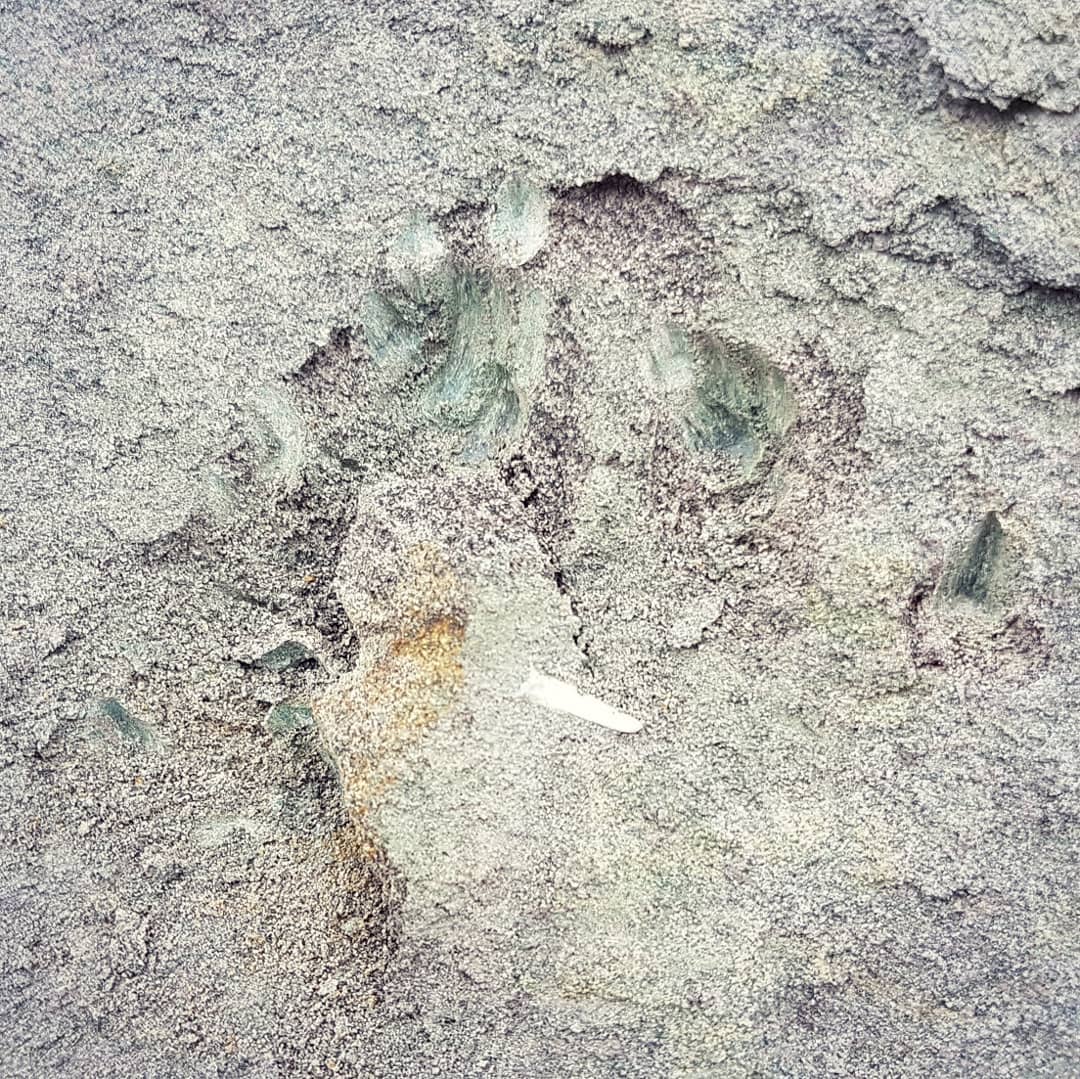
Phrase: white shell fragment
(560, 696)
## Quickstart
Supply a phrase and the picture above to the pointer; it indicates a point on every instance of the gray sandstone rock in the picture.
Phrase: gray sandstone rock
(367, 365)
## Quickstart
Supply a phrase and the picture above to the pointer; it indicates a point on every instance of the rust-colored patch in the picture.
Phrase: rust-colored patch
(437, 648)
(353, 842)
(372, 717)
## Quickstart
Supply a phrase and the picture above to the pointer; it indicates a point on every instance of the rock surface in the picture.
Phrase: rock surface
(361, 361)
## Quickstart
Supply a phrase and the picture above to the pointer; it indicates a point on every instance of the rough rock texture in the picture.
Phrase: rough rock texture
(1019, 52)
(360, 359)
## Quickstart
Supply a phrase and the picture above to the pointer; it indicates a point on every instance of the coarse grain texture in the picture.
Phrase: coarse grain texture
(719, 360)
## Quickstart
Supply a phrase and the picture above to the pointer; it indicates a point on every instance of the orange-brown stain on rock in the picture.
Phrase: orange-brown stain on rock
(373, 716)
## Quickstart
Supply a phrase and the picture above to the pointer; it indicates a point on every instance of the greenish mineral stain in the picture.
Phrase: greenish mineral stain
(519, 224)
(129, 728)
(287, 718)
(394, 342)
(480, 341)
(282, 438)
(496, 423)
(418, 260)
(285, 656)
(727, 397)
(971, 574)
(473, 389)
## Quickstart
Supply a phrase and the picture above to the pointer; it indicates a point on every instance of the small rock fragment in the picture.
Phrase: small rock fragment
(286, 718)
(971, 574)
(285, 656)
(127, 726)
